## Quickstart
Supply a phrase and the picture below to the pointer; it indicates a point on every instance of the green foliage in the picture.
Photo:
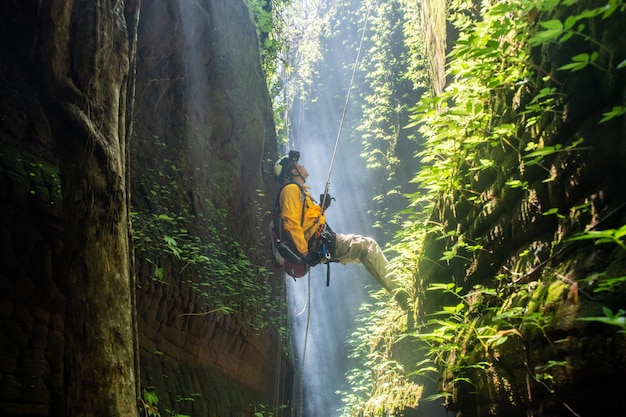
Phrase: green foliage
(393, 65)
(481, 324)
(614, 319)
(261, 410)
(499, 106)
(614, 236)
(498, 98)
(385, 69)
(197, 253)
(290, 34)
(616, 111)
(269, 26)
(604, 282)
(462, 128)
(380, 385)
(389, 74)
(151, 401)
(213, 265)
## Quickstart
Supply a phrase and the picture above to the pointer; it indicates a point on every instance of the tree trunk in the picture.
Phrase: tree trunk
(86, 50)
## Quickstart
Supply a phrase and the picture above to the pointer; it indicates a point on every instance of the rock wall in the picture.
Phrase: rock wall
(546, 361)
(204, 122)
(202, 117)
(31, 227)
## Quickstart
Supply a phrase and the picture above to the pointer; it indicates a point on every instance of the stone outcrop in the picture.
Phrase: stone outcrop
(202, 129)
(544, 361)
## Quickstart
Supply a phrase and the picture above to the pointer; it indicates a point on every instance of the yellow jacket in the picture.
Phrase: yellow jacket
(291, 213)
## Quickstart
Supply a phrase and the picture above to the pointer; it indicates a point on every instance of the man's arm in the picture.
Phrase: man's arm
(291, 206)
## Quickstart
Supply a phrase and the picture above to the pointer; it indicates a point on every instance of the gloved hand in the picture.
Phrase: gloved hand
(326, 202)
(312, 259)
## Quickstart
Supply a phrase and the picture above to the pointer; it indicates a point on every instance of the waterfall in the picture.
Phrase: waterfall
(322, 364)
(333, 309)
(332, 312)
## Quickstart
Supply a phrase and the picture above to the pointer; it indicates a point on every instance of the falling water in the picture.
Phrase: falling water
(323, 317)
(333, 309)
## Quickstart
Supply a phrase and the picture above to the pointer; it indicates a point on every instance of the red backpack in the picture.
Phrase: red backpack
(284, 252)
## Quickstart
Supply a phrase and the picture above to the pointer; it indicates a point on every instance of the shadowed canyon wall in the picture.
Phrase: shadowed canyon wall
(202, 125)
(203, 122)
(544, 361)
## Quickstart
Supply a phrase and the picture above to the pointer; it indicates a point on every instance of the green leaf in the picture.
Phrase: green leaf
(554, 24)
(616, 111)
(570, 22)
(555, 211)
(150, 397)
(618, 319)
(517, 184)
(580, 61)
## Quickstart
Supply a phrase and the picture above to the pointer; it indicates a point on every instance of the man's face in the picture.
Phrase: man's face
(302, 169)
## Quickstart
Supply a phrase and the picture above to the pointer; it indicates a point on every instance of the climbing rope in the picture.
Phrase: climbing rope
(326, 188)
(306, 336)
(345, 107)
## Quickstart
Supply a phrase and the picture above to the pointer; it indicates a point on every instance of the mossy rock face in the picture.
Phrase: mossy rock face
(204, 127)
(544, 347)
(201, 136)
(544, 360)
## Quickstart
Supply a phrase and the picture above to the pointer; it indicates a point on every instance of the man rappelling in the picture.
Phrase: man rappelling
(304, 222)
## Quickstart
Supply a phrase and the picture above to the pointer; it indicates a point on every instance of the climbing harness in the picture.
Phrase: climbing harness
(326, 240)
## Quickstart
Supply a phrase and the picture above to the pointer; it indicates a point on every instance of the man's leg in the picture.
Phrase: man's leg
(352, 248)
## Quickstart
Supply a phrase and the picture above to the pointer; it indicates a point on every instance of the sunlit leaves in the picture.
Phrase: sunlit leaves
(384, 92)
(580, 61)
(614, 319)
(560, 31)
(604, 282)
(293, 41)
(616, 111)
(553, 29)
(543, 101)
(614, 236)
(380, 383)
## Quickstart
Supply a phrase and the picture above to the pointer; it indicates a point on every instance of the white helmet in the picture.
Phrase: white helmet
(282, 167)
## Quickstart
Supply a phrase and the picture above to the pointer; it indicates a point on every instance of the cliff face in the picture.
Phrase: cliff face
(524, 343)
(202, 121)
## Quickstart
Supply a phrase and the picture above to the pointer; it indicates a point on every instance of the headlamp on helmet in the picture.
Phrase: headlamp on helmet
(283, 166)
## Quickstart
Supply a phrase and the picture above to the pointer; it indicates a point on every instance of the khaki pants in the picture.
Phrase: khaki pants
(352, 248)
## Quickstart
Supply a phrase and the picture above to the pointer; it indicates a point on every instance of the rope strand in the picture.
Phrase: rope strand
(306, 336)
(323, 202)
(345, 107)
